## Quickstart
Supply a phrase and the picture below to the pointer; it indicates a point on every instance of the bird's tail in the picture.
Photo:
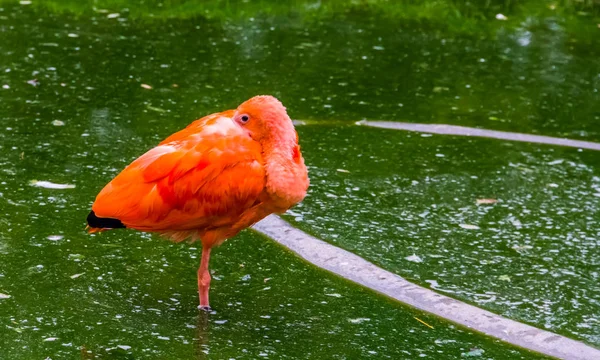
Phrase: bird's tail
(97, 224)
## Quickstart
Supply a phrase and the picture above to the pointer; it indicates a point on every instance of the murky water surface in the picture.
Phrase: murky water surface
(409, 202)
(73, 111)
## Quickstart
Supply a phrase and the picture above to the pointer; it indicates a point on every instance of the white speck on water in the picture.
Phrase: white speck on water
(336, 295)
(265, 316)
(5, 86)
(414, 258)
(58, 123)
(55, 237)
(51, 185)
(556, 162)
(440, 155)
(516, 222)
(553, 185)
(124, 347)
(4, 296)
(524, 39)
(25, 2)
(378, 48)
(358, 320)
(433, 283)
(76, 257)
(220, 322)
(504, 278)
(75, 276)
(163, 338)
(72, 35)
(51, 339)
(501, 17)
(469, 226)
(113, 15)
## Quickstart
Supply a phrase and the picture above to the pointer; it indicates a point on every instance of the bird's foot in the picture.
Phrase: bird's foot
(204, 308)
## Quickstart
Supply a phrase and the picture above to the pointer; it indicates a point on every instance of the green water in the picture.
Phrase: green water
(535, 256)
(86, 116)
(135, 298)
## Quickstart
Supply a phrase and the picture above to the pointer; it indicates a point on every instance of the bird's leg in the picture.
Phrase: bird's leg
(204, 279)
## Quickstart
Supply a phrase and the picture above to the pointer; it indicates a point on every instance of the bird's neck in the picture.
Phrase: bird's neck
(285, 169)
(280, 143)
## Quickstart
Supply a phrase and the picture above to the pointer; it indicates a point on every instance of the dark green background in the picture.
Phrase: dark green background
(534, 258)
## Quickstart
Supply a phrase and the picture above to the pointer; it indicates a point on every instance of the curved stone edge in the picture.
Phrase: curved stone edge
(444, 129)
(360, 271)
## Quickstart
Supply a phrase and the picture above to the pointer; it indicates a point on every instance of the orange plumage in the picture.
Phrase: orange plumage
(209, 181)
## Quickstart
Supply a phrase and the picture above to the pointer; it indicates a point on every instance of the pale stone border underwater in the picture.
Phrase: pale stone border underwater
(362, 272)
(444, 129)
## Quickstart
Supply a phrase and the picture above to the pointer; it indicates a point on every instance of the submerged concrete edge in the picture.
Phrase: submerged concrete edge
(444, 129)
(360, 271)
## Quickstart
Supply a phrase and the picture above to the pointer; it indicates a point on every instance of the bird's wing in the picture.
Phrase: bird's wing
(204, 176)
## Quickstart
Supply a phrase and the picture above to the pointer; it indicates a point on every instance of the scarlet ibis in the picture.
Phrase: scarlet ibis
(207, 182)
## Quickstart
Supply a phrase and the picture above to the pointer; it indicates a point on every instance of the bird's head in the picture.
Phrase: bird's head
(265, 119)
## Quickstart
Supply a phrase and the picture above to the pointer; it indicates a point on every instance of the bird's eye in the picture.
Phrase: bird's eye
(244, 118)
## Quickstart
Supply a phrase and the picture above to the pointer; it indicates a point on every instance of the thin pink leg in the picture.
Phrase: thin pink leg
(204, 279)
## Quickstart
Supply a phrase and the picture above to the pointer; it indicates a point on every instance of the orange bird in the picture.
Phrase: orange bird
(209, 181)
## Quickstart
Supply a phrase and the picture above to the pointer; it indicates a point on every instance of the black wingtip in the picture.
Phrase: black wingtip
(103, 223)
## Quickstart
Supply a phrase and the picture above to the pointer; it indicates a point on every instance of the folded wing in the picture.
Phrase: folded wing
(202, 177)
